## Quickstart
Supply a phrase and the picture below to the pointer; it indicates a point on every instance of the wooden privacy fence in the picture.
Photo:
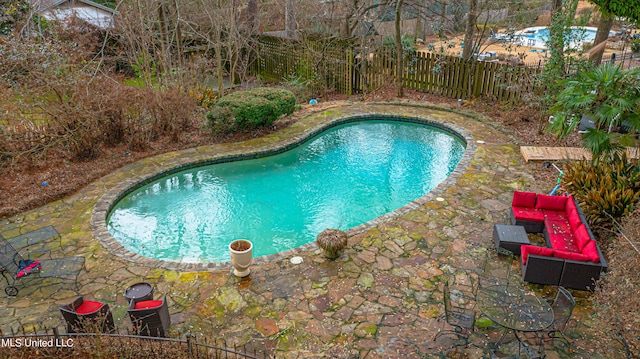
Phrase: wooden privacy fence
(340, 66)
(323, 63)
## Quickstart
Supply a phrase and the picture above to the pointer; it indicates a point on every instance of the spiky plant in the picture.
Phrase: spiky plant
(332, 241)
(610, 97)
(607, 190)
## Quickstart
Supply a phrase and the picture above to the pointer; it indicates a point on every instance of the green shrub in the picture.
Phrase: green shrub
(610, 188)
(284, 100)
(245, 110)
(220, 119)
(635, 45)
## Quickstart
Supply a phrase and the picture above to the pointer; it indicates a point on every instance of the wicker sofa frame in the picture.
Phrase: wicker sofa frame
(557, 271)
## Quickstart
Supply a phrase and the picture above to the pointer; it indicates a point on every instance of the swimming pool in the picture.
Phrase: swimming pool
(538, 36)
(345, 176)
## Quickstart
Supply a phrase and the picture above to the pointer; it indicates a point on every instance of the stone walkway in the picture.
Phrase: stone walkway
(381, 299)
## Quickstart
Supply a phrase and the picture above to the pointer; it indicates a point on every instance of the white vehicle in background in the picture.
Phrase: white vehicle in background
(488, 56)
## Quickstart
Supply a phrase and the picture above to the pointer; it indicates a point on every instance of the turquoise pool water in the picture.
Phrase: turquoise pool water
(538, 36)
(345, 176)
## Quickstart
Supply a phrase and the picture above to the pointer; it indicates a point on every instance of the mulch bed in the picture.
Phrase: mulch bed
(26, 186)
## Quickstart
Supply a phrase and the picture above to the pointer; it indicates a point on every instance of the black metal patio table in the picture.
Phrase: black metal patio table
(515, 309)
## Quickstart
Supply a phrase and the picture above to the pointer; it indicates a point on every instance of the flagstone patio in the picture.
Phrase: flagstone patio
(381, 299)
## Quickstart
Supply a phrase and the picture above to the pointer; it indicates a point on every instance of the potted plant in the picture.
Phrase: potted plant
(333, 242)
(240, 251)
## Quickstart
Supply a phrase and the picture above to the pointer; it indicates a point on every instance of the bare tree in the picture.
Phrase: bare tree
(399, 54)
(472, 17)
(290, 18)
(252, 16)
(165, 40)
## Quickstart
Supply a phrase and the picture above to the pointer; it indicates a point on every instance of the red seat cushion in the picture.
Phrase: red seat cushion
(582, 237)
(88, 307)
(571, 256)
(147, 304)
(561, 239)
(541, 251)
(557, 227)
(524, 199)
(553, 203)
(528, 214)
(590, 250)
(555, 215)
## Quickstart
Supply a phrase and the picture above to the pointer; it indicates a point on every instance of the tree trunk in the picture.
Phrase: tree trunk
(443, 16)
(165, 63)
(420, 21)
(232, 47)
(252, 16)
(604, 26)
(399, 62)
(556, 37)
(347, 19)
(472, 17)
(290, 18)
(218, 55)
(179, 43)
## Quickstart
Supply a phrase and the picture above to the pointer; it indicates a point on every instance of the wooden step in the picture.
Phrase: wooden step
(538, 153)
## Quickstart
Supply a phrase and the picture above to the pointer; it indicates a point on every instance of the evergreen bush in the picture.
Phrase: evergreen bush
(254, 108)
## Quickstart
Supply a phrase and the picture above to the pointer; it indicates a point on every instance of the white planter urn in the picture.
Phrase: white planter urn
(241, 254)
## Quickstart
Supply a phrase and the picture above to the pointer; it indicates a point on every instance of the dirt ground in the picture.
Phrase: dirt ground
(27, 186)
(528, 55)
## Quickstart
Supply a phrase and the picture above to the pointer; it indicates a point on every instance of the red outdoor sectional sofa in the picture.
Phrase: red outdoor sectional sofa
(572, 258)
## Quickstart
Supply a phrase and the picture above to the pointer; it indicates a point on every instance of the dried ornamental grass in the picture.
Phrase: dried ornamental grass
(332, 241)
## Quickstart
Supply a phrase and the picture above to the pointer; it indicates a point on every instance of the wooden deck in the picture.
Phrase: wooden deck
(535, 153)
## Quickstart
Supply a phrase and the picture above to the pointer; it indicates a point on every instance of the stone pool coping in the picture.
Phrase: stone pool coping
(191, 158)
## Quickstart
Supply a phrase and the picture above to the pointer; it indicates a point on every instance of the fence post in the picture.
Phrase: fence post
(189, 344)
(349, 68)
(478, 79)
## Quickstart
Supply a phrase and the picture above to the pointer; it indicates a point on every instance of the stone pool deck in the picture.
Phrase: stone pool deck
(381, 299)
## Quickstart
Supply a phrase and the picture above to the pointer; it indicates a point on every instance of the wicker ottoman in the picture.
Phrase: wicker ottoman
(510, 237)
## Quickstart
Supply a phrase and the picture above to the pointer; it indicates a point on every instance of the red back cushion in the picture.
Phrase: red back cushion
(574, 220)
(88, 307)
(554, 203)
(146, 304)
(571, 205)
(528, 249)
(524, 199)
(591, 252)
(582, 237)
(574, 256)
